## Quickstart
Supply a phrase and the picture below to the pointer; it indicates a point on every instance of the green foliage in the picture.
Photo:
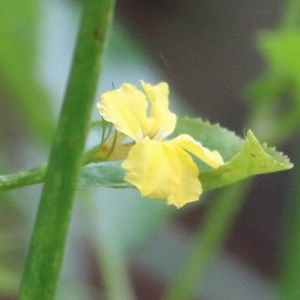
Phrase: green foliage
(19, 24)
(243, 158)
(275, 104)
(252, 159)
(107, 174)
(276, 95)
(282, 52)
(212, 136)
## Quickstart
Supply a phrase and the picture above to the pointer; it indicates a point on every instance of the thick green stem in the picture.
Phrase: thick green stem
(208, 241)
(51, 228)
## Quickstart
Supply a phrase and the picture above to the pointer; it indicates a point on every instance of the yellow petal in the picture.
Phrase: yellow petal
(186, 142)
(163, 170)
(126, 108)
(164, 121)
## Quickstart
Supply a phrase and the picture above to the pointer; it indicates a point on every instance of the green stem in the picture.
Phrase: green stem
(51, 228)
(290, 270)
(289, 278)
(22, 178)
(37, 175)
(111, 259)
(207, 242)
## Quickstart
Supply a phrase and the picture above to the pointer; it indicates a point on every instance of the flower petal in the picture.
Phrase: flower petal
(186, 142)
(163, 170)
(126, 108)
(164, 121)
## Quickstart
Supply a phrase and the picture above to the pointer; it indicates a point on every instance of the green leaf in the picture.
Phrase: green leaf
(252, 159)
(243, 158)
(108, 174)
(275, 97)
(212, 136)
(281, 49)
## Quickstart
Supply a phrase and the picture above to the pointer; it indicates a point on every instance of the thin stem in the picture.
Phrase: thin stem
(23, 178)
(290, 271)
(100, 153)
(207, 242)
(51, 228)
(111, 259)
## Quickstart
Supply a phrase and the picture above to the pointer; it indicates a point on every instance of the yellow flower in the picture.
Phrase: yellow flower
(159, 168)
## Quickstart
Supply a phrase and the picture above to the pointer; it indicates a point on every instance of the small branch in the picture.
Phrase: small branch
(22, 178)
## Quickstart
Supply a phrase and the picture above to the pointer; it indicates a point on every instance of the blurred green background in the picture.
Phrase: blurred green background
(236, 63)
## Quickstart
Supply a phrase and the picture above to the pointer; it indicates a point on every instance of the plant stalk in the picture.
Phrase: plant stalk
(207, 242)
(50, 232)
